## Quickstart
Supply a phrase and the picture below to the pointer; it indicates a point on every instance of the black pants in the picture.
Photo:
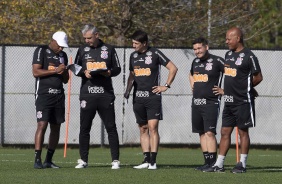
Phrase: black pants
(106, 110)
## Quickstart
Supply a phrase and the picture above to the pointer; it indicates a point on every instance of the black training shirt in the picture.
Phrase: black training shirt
(52, 84)
(146, 68)
(206, 73)
(103, 56)
(239, 69)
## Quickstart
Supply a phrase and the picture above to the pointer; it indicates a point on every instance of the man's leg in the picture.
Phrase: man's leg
(145, 145)
(106, 111)
(53, 141)
(224, 145)
(211, 145)
(39, 139)
(153, 126)
(203, 143)
(244, 145)
(145, 141)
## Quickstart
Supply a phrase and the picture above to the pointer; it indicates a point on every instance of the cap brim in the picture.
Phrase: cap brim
(63, 45)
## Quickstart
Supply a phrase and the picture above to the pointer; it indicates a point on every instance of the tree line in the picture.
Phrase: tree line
(169, 23)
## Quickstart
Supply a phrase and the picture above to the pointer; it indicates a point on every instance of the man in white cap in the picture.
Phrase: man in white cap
(49, 69)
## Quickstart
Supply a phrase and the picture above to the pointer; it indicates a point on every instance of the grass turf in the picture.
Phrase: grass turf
(175, 165)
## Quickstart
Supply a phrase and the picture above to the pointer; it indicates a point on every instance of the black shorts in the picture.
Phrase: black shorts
(50, 108)
(147, 108)
(242, 116)
(204, 118)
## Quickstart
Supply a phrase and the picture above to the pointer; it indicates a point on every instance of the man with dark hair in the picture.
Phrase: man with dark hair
(242, 73)
(145, 63)
(99, 62)
(205, 79)
(49, 69)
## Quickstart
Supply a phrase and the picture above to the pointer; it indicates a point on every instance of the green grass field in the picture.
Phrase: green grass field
(175, 165)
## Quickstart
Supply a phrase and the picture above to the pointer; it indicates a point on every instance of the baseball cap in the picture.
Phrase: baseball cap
(61, 38)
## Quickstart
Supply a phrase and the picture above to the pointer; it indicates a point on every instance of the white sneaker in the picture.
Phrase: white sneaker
(115, 164)
(154, 166)
(81, 164)
(142, 166)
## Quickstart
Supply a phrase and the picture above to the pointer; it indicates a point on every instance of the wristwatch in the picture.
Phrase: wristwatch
(166, 85)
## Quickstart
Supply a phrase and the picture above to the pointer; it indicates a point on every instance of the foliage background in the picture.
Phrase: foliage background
(169, 23)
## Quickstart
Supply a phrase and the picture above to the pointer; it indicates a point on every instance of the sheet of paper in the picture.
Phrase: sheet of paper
(74, 68)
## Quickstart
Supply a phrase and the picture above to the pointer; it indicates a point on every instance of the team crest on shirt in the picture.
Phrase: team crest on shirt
(135, 55)
(104, 54)
(209, 66)
(239, 61)
(86, 49)
(39, 114)
(148, 60)
(83, 104)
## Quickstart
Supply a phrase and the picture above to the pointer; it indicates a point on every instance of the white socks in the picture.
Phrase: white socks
(220, 161)
(243, 159)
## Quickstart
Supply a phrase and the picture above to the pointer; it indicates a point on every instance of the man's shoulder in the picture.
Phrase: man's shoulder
(217, 58)
(41, 49)
(248, 51)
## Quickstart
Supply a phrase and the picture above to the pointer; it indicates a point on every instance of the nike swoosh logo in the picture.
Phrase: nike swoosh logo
(247, 123)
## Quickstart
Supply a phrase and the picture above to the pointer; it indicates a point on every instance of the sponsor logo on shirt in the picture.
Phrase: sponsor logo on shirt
(230, 72)
(86, 49)
(95, 89)
(142, 72)
(54, 91)
(95, 65)
(228, 98)
(200, 77)
(142, 94)
(200, 101)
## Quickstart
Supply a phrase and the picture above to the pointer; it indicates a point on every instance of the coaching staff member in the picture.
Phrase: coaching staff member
(145, 63)
(49, 69)
(205, 79)
(242, 72)
(99, 62)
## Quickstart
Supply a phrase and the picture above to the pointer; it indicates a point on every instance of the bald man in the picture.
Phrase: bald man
(242, 73)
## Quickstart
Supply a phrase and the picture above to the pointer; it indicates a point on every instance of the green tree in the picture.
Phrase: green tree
(170, 23)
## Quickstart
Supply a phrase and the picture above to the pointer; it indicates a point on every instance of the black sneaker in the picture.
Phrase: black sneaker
(38, 164)
(202, 167)
(239, 168)
(214, 169)
(50, 165)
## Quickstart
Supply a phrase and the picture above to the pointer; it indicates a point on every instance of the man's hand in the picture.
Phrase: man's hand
(254, 92)
(87, 74)
(60, 69)
(126, 95)
(159, 89)
(217, 90)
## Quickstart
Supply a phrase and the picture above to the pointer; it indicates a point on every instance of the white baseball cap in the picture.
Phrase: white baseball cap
(61, 38)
